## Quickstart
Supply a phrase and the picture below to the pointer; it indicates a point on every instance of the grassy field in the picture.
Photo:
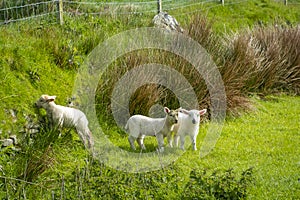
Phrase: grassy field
(266, 139)
(260, 136)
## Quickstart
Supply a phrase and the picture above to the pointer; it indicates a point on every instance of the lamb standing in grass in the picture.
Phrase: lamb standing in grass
(61, 116)
(139, 126)
(188, 124)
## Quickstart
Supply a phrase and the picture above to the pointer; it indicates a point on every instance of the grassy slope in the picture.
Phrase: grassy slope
(266, 139)
(235, 15)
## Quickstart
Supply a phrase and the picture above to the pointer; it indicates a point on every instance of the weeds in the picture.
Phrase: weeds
(107, 183)
(224, 185)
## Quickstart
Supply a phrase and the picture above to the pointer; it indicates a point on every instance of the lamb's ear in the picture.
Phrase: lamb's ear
(184, 111)
(202, 112)
(51, 98)
(178, 109)
(167, 110)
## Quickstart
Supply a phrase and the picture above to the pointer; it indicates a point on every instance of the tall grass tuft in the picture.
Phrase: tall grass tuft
(25, 164)
(261, 60)
(264, 60)
(37, 154)
(148, 94)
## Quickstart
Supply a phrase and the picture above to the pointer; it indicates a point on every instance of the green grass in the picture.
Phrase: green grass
(40, 57)
(237, 15)
(266, 139)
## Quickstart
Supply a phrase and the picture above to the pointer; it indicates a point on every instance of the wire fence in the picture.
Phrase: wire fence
(19, 10)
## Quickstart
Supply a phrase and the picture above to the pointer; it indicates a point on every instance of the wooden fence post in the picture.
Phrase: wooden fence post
(159, 7)
(60, 11)
(222, 2)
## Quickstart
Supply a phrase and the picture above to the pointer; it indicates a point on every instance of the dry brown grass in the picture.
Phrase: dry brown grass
(263, 60)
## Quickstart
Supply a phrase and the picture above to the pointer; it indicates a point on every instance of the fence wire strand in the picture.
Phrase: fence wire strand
(41, 9)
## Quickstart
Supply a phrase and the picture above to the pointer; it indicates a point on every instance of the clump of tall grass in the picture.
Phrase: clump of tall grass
(148, 94)
(276, 59)
(22, 167)
(37, 154)
(261, 60)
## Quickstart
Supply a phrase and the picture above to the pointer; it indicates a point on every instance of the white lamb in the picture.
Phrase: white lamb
(139, 126)
(188, 124)
(61, 116)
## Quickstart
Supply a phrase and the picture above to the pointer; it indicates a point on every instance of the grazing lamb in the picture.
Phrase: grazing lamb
(139, 126)
(62, 116)
(188, 124)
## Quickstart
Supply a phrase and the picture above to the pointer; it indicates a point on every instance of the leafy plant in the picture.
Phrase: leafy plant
(218, 185)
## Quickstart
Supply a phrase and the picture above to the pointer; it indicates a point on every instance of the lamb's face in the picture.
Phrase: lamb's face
(172, 115)
(43, 101)
(193, 115)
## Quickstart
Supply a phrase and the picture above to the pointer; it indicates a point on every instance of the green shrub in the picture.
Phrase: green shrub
(218, 185)
(95, 181)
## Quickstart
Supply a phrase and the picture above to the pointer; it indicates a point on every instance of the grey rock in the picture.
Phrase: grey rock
(166, 21)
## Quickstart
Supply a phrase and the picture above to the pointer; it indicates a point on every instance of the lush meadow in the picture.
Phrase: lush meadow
(255, 45)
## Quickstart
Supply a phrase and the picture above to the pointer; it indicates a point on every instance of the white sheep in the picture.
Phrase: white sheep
(188, 124)
(61, 116)
(139, 126)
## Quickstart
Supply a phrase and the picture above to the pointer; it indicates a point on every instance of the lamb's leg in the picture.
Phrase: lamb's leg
(193, 139)
(160, 141)
(140, 141)
(81, 136)
(176, 140)
(89, 138)
(182, 139)
(131, 140)
(169, 137)
(50, 121)
(59, 125)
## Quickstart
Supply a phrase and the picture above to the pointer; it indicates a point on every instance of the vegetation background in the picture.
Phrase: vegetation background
(255, 45)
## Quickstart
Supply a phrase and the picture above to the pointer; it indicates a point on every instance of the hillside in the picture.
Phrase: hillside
(255, 47)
